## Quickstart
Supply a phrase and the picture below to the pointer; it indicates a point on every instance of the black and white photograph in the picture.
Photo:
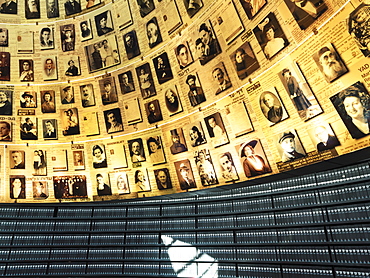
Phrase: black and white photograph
(86, 32)
(17, 159)
(195, 134)
(99, 156)
(270, 36)
(146, 82)
(306, 12)
(162, 68)
(133, 111)
(253, 158)
(108, 90)
(358, 26)
(192, 6)
(78, 159)
(131, 44)
(272, 107)
(244, 61)
(50, 71)
(4, 41)
(52, 8)
(205, 43)
(67, 95)
(126, 82)
(6, 101)
(227, 167)
(252, 7)
(353, 107)
(26, 72)
(102, 184)
(329, 63)
(87, 95)
(40, 190)
(47, 101)
(72, 7)
(163, 179)
(145, 7)
(120, 179)
(153, 32)
(28, 128)
(205, 167)
(9, 7)
(178, 141)
(221, 79)
(141, 180)
(183, 55)
(323, 136)
(185, 174)
(32, 9)
(39, 162)
(104, 23)
(195, 94)
(17, 187)
(47, 38)
(5, 131)
(156, 151)
(70, 187)
(68, 37)
(216, 129)
(172, 100)
(153, 111)
(4, 66)
(289, 146)
(28, 99)
(72, 66)
(69, 121)
(102, 54)
(113, 120)
(136, 148)
(49, 129)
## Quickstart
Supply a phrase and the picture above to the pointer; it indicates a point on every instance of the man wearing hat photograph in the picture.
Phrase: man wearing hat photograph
(332, 66)
(288, 145)
(27, 100)
(177, 146)
(185, 178)
(101, 24)
(68, 95)
(195, 94)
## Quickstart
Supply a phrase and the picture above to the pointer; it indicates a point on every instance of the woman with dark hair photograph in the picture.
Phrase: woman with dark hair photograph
(141, 182)
(39, 163)
(274, 44)
(253, 164)
(17, 188)
(99, 157)
(196, 137)
(155, 151)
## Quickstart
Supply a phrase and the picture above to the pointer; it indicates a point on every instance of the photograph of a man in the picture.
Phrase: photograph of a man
(153, 111)
(67, 95)
(183, 55)
(207, 43)
(108, 90)
(49, 129)
(162, 178)
(104, 23)
(290, 147)
(146, 6)
(85, 29)
(272, 107)
(46, 38)
(17, 159)
(17, 187)
(216, 129)
(126, 82)
(192, 6)
(5, 131)
(113, 120)
(50, 69)
(162, 68)
(177, 137)
(153, 33)
(9, 7)
(136, 150)
(220, 76)
(87, 95)
(131, 45)
(4, 37)
(52, 8)
(4, 65)
(325, 138)
(72, 7)
(195, 94)
(185, 174)
(32, 9)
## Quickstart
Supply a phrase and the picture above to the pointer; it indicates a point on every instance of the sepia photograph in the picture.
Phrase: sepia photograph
(252, 7)
(205, 167)
(50, 71)
(5, 131)
(102, 185)
(72, 7)
(216, 129)
(68, 37)
(108, 90)
(52, 8)
(192, 6)
(178, 141)
(9, 7)
(227, 167)
(26, 72)
(162, 68)
(28, 128)
(67, 95)
(4, 41)
(6, 101)
(195, 94)
(358, 25)
(156, 151)
(131, 44)
(69, 121)
(272, 107)
(85, 30)
(28, 99)
(323, 137)
(48, 101)
(78, 160)
(153, 32)
(153, 111)
(4, 66)
(70, 187)
(40, 190)
(205, 43)
(195, 134)
(136, 148)
(17, 159)
(141, 180)
(183, 55)
(49, 129)
(221, 79)
(46, 38)
(99, 156)
(146, 82)
(87, 95)
(289, 146)
(126, 82)
(32, 9)
(145, 7)
(72, 66)
(113, 120)
(121, 180)
(17, 187)
(244, 61)
(172, 100)
(163, 178)
(185, 174)
(104, 23)
(39, 163)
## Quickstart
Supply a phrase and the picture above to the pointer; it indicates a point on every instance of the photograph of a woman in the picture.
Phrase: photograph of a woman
(254, 163)
(141, 181)
(156, 153)
(39, 163)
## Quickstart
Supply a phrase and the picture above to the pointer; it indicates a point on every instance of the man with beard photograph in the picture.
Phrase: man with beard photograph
(153, 111)
(131, 44)
(172, 100)
(136, 150)
(195, 94)
(329, 63)
(153, 33)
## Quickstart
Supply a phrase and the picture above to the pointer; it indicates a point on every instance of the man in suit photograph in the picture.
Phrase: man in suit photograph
(49, 69)
(126, 85)
(8, 7)
(52, 9)
(185, 179)
(5, 131)
(45, 36)
(326, 140)
(17, 160)
(219, 76)
(195, 94)
(136, 151)
(49, 130)
(72, 7)
(288, 144)
(131, 45)
(32, 9)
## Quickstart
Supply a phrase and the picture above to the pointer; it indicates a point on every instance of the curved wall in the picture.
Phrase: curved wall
(255, 107)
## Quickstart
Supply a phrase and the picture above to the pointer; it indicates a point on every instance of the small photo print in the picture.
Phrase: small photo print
(85, 30)
(221, 79)
(131, 44)
(227, 167)
(68, 37)
(156, 151)
(47, 101)
(244, 60)
(358, 23)
(205, 167)
(46, 38)
(183, 55)
(78, 160)
(17, 187)
(5, 131)
(216, 129)
(40, 190)
(323, 137)
(252, 7)
(272, 107)
(153, 111)
(126, 82)
(145, 77)
(108, 90)
(49, 129)
(119, 179)
(113, 120)
(4, 36)
(50, 71)
(192, 6)
(162, 68)
(28, 99)
(163, 179)
(104, 23)
(99, 156)
(102, 184)
(70, 187)
(136, 148)
(153, 33)
(141, 180)
(185, 174)
(206, 44)
(72, 66)
(172, 100)
(289, 146)
(87, 95)
(195, 134)
(178, 141)
(28, 128)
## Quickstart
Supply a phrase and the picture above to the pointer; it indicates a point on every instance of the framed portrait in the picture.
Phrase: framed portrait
(162, 68)
(323, 136)
(358, 21)
(113, 120)
(6, 100)
(50, 71)
(141, 179)
(117, 154)
(5, 131)
(39, 162)
(90, 123)
(5, 66)
(289, 146)
(49, 129)
(136, 148)
(126, 82)
(183, 55)
(171, 16)
(78, 159)
(133, 111)
(102, 54)
(195, 94)
(146, 82)
(40, 190)
(99, 156)
(47, 101)
(300, 93)
(108, 90)
(329, 63)
(67, 95)
(353, 107)
(145, 7)
(153, 111)
(69, 121)
(17, 187)
(59, 160)
(11, 8)
(253, 158)
(70, 187)
(178, 141)
(270, 36)
(192, 6)
(32, 9)
(28, 99)
(72, 7)
(272, 107)
(221, 79)
(156, 150)
(26, 72)
(205, 167)
(17, 159)
(102, 184)
(87, 95)
(216, 129)
(85, 30)
(244, 60)
(121, 180)
(71, 65)
(163, 178)
(172, 100)
(185, 174)
(227, 167)
(28, 128)
(195, 134)
(153, 32)
(52, 8)
(68, 37)
(251, 8)
(104, 23)
(4, 41)
(47, 38)
(131, 44)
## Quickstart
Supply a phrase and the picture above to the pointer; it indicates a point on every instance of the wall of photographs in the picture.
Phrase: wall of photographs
(138, 98)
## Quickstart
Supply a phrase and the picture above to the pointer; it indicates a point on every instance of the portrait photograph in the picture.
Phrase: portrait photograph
(120, 179)
(272, 107)
(99, 156)
(69, 121)
(87, 95)
(50, 129)
(133, 111)
(195, 134)
(289, 146)
(163, 178)
(17, 187)
(178, 141)
(108, 90)
(102, 54)
(146, 82)
(153, 32)
(156, 151)
(306, 12)
(39, 162)
(104, 23)
(216, 129)
(102, 184)
(4, 66)
(195, 94)
(67, 95)
(227, 167)
(192, 6)
(221, 81)
(90, 4)
(131, 44)
(50, 71)
(244, 61)
(86, 32)
(47, 38)
(40, 190)
(145, 7)
(252, 7)
(126, 82)
(26, 72)
(32, 9)
(300, 93)
(153, 111)
(47, 101)
(173, 101)
(68, 37)
(117, 155)
(72, 7)
(8, 7)
(329, 63)
(205, 167)
(323, 136)
(185, 174)
(71, 65)
(4, 41)
(162, 68)
(52, 8)
(253, 158)
(358, 25)
(141, 180)
(17, 159)
(270, 36)
(353, 107)
(28, 99)
(28, 128)
(70, 187)
(5, 131)
(6, 101)
(183, 55)
(136, 148)
(113, 120)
